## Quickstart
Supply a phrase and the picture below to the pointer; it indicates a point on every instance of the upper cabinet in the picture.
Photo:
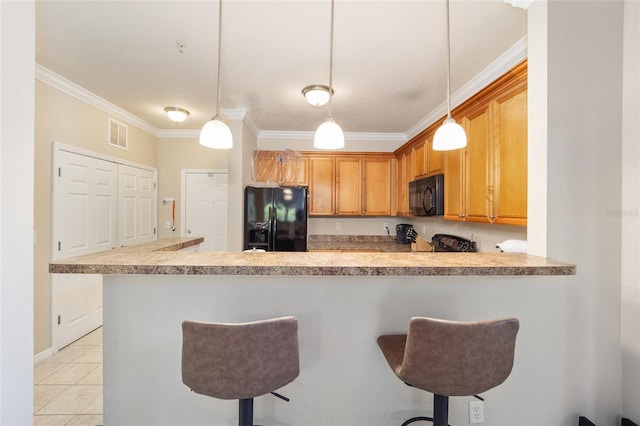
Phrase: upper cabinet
(487, 180)
(340, 184)
(282, 168)
(350, 184)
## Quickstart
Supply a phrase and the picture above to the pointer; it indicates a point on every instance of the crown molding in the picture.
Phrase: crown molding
(56, 81)
(348, 136)
(516, 54)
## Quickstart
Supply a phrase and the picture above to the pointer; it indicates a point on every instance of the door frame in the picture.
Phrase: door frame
(183, 193)
(56, 148)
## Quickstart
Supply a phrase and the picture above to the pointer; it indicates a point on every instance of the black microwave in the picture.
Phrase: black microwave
(426, 196)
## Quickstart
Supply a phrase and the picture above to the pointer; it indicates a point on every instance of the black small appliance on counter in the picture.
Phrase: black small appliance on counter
(401, 233)
(452, 243)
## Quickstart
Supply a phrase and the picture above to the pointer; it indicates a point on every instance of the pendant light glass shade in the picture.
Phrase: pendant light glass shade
(216, 134)
(329, 135)
(449, 136)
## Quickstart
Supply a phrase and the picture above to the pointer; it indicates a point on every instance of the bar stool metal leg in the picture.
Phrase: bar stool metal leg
(246, 412)
(440, 410)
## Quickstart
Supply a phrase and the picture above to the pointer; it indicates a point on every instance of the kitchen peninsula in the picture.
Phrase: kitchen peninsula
(343, 301)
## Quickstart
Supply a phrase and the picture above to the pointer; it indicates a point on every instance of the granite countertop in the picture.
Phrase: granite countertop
(163, 258)
(363, 243)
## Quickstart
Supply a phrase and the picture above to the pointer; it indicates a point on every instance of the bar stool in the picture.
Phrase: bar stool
(450, 358)
(240, 361)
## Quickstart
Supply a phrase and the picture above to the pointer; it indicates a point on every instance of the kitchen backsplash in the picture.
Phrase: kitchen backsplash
(486, 236)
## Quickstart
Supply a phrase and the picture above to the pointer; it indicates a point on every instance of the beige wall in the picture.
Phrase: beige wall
(175, 154)
(62, 118)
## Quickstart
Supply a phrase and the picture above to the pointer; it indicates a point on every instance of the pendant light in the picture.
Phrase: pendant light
(215, 133)
(329, 135)
(450, 135)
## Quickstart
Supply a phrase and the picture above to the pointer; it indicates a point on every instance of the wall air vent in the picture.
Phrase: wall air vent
(117, 134)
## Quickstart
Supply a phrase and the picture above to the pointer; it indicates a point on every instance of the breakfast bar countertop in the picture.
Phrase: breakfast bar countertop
(167, 257)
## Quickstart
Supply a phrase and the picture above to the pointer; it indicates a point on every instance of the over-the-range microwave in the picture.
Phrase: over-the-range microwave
(426, 196)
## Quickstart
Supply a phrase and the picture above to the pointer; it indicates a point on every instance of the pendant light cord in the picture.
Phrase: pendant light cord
(331, 61)
(448, 65)
(219, 48)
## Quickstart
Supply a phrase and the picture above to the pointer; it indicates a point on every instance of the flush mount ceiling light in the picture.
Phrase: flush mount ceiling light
(329, 135)
(317, 94)
(215, 133)
(176, 114)
(450, 135)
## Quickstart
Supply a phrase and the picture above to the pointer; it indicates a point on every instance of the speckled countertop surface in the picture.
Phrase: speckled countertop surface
(162, 258)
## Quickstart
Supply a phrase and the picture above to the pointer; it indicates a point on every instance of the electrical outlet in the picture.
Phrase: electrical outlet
(167, 224)
(386, 226)
(337, 226)
(476, 412)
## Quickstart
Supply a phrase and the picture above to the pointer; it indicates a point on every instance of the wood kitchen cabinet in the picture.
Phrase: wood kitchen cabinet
(280, 167)
(350, 185)
(426, 161)
(487, 180)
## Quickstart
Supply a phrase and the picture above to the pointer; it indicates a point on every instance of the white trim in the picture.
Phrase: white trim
(516, 54)
(56, 81)
(46, 354)
(183, 191)
(349, 136)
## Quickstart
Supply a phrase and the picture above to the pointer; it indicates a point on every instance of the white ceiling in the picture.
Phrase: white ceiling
(389, 56)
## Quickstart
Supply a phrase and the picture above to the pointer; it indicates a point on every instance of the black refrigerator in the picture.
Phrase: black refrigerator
(275, 219)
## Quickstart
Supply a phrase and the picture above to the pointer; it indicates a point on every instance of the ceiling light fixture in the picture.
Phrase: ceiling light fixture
(329, 135)
(317, 94)
(215, 133)
(176, 114)
(450, 135)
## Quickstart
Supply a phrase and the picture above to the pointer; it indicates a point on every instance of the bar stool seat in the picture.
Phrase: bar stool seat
(240, 361)
(451, 358)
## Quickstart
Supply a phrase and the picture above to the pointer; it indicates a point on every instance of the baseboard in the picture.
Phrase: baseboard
(47, 353)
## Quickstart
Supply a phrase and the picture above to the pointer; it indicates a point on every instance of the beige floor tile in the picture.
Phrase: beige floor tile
(70, 374)
(85, 420)
(94, 355)
(73, 400)
(44, 394)
(69, 354)
(58, 420)
(92, 339)
(94, 407)
(93, 378)
(42, 370)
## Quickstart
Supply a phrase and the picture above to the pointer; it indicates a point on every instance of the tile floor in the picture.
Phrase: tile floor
(68, 386)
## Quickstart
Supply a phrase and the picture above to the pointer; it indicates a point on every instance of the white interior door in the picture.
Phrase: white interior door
(136, 205)
(84, 221)
(205, 196)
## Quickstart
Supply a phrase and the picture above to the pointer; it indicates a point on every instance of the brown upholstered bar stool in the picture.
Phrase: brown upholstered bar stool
(240, 361)
(450, 358)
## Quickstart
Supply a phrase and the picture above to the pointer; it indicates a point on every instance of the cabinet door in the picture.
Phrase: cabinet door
(510, 153)
(321, 186)
(266, 167)
(453, 184)
(376, 182)
(404, 177)
(478, 163)
(433, 158)
(348, 193)
(419, 161)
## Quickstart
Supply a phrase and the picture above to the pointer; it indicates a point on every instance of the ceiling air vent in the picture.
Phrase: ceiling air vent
(117, 134)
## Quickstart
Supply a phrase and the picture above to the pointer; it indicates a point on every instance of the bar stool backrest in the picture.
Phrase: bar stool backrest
(239, 361)
(455, 358)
